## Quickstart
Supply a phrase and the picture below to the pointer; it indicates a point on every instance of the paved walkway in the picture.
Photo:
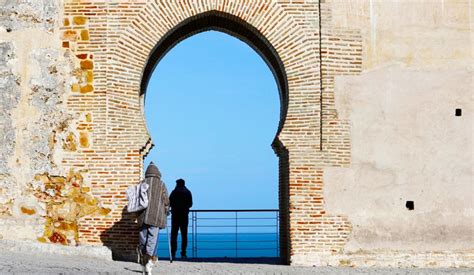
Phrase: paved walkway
(11, 263)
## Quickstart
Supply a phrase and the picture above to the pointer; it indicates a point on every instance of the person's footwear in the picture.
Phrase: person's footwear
(183, 256)
(146, 264)
(148, 267)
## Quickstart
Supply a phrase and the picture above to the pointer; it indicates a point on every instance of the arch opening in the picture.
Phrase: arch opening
(238, 28)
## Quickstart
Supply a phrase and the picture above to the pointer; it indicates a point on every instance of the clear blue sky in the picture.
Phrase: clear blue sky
(212, 109)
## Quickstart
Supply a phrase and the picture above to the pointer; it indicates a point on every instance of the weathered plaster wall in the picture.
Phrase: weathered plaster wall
(27, 41)
(428, 34)
(9, 99)
(40, 198)
(407, 146)
(407, 143)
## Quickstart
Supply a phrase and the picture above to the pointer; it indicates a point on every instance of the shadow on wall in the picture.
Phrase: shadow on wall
(125, 227)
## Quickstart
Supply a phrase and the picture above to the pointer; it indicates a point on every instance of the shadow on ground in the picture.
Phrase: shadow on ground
(113, 238)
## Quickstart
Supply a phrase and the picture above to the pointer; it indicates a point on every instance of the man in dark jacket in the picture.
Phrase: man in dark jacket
(153, 218)
(181, 200)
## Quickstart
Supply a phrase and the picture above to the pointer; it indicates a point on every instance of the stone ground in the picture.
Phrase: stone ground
(28, 263)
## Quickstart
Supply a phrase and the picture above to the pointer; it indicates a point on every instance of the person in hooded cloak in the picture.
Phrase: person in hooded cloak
(153, 218)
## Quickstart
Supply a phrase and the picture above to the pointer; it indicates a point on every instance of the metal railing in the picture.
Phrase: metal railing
(230, 233)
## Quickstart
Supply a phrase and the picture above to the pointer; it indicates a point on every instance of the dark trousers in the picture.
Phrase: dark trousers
(179, 222)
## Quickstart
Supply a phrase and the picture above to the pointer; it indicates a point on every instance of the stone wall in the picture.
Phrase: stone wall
(41, 198)
(368, 93)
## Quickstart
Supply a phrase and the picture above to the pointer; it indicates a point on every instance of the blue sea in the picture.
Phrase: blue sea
(220, 245)
(230, 234)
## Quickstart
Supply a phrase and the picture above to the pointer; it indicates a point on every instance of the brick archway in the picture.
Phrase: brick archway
(273, 32)
(232, 25)
(128, 45)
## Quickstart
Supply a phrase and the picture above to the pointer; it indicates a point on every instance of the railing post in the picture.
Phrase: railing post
(236, 237)
(277, 230)
(196, 232)
(192, 234)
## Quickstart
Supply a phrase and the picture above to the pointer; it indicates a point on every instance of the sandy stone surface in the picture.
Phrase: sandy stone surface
(13, 263)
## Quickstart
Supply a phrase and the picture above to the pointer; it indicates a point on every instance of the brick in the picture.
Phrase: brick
(87, 65)
(70, 35)
(89, 76)
(79, 20)
(81, 56)
(84, 35)
(87, 88)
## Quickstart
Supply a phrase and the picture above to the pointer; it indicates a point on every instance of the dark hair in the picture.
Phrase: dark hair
(180, 182)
